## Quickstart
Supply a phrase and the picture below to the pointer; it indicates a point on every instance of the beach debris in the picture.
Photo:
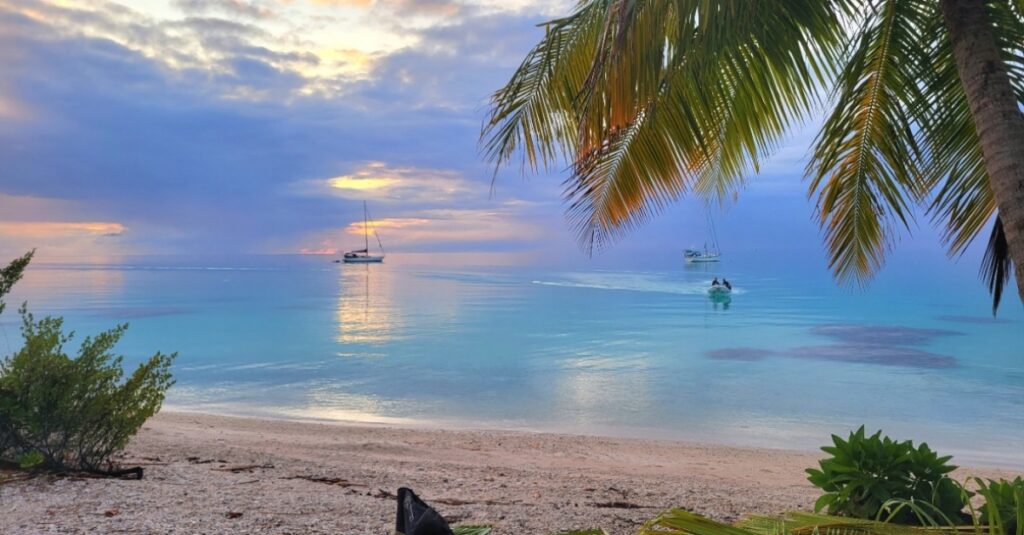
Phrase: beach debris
(381, 493)
(415, 517)
(242, 468)
(620, 505)
(198, 460)
(337, 481)
(111, 512)
(233, 514)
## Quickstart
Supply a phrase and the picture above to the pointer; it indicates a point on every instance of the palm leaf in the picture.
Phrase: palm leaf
(955, 170)
(866, 164)
(996, 265)
(689, 95)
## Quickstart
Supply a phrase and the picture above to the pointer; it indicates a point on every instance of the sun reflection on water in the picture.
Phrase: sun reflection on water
(366, 311)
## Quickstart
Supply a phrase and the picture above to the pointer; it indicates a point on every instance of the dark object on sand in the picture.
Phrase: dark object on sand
(415, 517)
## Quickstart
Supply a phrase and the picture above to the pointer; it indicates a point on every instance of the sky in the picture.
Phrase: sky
(260, 126)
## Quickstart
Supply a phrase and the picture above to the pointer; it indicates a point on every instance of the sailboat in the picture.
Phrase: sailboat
(363, 256)
(707, 255)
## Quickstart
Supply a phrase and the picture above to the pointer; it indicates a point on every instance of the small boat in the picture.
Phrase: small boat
(363, 256)
(719, 290)
(696, 256)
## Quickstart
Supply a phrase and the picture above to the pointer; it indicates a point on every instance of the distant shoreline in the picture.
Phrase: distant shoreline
(290, 476)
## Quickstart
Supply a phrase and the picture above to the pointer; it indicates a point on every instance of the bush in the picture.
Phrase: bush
(1003, 506)
(63, 413)
(874, 477)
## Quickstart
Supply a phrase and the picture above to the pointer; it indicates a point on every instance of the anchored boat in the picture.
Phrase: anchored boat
(696, 256)
(363, 256)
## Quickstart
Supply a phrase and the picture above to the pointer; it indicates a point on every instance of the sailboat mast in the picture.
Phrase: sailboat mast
(714, 233)
(366, 231)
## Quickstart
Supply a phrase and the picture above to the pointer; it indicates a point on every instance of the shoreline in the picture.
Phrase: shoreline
(228, 474)
(807, 440)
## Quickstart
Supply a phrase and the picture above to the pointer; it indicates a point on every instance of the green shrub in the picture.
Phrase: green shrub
(875, 477)
(1004, 505)
(63, 413)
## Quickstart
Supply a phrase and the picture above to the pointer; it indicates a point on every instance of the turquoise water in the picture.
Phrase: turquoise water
(790, 359)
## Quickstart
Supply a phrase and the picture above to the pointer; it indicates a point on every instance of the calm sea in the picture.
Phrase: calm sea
(788, 360)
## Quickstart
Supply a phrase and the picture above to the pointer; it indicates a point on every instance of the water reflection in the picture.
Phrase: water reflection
(366, 311)
(50, 288)
(719, 301)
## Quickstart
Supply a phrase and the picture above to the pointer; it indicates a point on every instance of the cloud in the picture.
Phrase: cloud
(228, 7)
(61, 238)
(383, 183)
(442, 230)
(196, 132)
(47, 229)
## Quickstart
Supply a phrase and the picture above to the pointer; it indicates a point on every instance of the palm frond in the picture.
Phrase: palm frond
(680, 522)
(686, 96)
(533, 113)
(955, 168)
(865, 168)
(996, 265)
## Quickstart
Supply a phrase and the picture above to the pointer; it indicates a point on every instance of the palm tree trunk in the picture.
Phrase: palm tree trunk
(998, 120)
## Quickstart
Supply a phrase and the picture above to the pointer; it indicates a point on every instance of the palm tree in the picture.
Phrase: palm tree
(653, 99)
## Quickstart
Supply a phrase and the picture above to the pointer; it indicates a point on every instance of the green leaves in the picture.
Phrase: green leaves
(29, 460)
(650, 100)
(1003, 510)
(866, 159)
(874, 477)
(64, 413)
(12, 274)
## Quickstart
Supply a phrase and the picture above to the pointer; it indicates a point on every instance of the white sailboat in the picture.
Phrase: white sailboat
(696, 256)
(363, 256)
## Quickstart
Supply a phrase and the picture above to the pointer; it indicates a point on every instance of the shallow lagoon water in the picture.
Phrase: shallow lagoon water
(789, 359)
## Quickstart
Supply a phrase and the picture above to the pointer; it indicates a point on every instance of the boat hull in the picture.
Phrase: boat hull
(701, 259)
(718, 291)
(363, 259)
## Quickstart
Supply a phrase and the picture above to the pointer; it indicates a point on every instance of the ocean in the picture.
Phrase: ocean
(788, 360)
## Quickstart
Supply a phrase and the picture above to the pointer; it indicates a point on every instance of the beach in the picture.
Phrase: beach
(220, 474)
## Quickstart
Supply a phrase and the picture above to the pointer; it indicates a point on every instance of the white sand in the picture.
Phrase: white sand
(522, 483)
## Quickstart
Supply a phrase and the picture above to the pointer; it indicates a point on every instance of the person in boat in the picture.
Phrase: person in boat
(725, 282)
(715, 282)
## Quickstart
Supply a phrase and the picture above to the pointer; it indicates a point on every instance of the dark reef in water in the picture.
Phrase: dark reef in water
(874, 354)
(740, 353)
(880, 334)
(882, 345)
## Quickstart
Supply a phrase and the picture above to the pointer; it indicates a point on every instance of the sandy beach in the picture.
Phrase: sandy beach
(216, 474)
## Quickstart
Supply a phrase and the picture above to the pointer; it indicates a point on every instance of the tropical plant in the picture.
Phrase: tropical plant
(649, 100)
(1003, 509)
(877, 478)
(63, 413)
(680, 522)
